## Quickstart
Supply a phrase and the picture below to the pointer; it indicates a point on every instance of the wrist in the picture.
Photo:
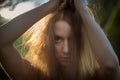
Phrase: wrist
(80, 4)
(81, 9)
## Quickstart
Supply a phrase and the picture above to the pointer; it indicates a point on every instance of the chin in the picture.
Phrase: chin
(63, 64)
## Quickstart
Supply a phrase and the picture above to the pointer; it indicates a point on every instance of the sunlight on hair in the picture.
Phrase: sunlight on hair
(88, 60)
(34, 32)
(34, 39)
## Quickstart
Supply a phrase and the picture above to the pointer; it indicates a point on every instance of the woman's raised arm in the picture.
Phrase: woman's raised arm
(16, 27)
(10, 59)
(99, 43)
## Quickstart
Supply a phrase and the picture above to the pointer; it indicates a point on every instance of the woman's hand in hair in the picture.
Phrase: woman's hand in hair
(63, 3)
(60, 3)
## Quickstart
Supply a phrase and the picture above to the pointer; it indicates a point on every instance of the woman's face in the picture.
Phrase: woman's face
(62, 31)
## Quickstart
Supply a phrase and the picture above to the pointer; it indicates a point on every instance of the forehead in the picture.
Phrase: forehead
(62, 28)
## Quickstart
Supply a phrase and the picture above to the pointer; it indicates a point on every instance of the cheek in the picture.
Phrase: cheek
(58, 48)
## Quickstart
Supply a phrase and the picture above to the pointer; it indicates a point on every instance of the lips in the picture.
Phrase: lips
(64, 59)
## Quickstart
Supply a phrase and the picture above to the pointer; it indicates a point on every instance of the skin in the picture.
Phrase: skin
(62, 32)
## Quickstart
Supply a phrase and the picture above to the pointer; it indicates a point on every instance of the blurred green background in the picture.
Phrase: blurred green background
(106, 13)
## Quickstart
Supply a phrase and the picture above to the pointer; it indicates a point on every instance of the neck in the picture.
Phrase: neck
(67, 73)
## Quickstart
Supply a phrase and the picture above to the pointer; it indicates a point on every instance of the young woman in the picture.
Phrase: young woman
(66, 44)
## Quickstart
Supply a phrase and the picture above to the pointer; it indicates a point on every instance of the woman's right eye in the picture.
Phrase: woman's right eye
(58, 39)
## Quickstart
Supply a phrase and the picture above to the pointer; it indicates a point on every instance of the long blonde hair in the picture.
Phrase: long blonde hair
(40, 43)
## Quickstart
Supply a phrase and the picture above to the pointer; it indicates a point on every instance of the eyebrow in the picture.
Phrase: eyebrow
(57, 36)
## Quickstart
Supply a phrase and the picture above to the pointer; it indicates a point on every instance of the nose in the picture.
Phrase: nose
(65, 47)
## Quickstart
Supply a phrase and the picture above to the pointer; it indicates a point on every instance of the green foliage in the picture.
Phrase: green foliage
(2, 20)
(18, 45)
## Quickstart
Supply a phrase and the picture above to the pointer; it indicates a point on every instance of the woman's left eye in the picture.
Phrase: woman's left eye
(58, 39)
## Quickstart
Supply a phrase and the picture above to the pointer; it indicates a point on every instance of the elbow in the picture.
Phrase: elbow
(115, 71)
(112, 61)
(114, 65)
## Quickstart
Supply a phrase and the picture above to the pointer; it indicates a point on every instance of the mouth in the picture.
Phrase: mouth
(65, 59)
